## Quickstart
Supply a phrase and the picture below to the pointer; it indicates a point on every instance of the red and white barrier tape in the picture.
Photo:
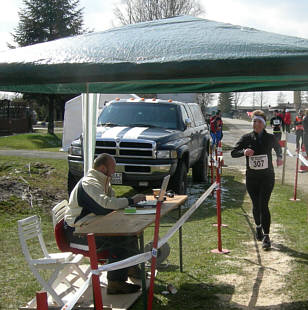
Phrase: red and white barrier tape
(139, 258)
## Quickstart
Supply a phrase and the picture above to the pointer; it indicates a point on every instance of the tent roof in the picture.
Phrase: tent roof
(180, 54)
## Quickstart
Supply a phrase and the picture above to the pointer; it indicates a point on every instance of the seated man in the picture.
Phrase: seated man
(93, 194)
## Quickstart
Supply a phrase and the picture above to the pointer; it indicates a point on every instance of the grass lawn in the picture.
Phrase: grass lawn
(32, 141)
(198, 287)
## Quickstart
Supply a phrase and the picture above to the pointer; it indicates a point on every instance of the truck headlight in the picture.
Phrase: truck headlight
(75, 150)
(166, 154)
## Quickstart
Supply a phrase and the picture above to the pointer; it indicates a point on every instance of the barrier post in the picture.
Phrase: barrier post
(220, 153)
(98, 299)
(283, 143)
(212, 166)
(41, 300)
(303, 167)
(296, 177)
(219, 250)
(154, 254)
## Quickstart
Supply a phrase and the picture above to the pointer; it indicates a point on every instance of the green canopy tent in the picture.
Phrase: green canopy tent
(180, 54)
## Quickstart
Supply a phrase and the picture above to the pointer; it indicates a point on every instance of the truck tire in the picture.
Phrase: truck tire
(178, 182)
(71, 182)
(200, 168)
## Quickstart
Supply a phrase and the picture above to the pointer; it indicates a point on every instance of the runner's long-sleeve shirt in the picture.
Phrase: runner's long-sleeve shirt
(262, 145)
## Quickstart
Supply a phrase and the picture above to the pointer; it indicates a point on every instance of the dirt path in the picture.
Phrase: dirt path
(265, 273)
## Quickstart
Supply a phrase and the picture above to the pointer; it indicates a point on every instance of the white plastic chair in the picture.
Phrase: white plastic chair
(58, 212)
(62, 263)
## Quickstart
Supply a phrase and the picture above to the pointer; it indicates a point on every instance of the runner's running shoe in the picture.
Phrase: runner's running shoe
(266, 244)
(259, 233)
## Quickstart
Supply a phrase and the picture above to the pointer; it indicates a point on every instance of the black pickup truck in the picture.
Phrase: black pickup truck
(149, 139)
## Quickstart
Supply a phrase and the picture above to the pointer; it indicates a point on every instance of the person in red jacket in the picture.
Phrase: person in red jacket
(299, 128)
(287, 120)
(281, 115)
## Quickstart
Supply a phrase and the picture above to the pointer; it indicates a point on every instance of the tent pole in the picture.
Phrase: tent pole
(89, 112)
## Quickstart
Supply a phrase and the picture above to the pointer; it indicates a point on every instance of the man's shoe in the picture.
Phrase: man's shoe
(134, 272)
(259, 234)
(266, 244)
(121, 287)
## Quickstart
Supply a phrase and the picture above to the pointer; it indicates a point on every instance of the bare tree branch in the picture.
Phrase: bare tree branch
(135, 11)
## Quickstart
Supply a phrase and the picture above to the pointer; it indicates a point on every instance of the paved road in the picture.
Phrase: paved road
(240, 127)
(237, 129)
(35, 154)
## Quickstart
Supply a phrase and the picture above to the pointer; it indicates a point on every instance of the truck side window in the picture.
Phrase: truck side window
(184, 114)
(198, 115)
(190, 115)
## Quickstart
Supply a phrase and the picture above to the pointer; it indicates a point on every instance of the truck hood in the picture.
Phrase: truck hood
(160, 135)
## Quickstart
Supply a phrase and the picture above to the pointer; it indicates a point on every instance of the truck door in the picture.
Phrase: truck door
(192, 133)
(200, 129)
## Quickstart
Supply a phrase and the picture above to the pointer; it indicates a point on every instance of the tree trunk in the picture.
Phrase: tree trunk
(297, 99)
(51, 106)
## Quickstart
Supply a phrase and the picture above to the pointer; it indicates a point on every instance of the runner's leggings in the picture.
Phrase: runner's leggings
(259, 187)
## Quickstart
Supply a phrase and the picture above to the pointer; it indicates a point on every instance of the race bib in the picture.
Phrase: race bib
(276, 122)
(258, 162)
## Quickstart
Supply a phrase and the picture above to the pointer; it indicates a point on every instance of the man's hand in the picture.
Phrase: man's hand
(138, 197)
(279, 162)
(249, 152)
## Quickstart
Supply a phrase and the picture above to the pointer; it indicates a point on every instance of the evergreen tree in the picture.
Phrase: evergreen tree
(46, 20)
(225, 101)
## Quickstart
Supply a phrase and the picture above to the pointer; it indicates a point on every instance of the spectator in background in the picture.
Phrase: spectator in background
(305, 124)
(287, 120)
(216, 128)
(281, 115)
(276, 123)
(299, 129)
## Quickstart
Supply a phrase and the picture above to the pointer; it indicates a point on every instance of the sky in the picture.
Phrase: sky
(287, 17)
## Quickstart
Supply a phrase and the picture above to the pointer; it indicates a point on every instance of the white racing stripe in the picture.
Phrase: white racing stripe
(134, 132)
(112, 132)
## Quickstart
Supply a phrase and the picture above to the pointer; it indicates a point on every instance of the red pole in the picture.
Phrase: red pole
(211, 161)
(216, 155)
(98, 299)
(218, 205)
(41, 300)
(154, 255)
(296, 177)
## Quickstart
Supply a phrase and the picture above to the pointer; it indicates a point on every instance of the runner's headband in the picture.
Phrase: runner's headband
(259, 118)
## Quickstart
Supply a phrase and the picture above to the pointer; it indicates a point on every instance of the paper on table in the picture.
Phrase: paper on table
(144, 211)
(146, 203)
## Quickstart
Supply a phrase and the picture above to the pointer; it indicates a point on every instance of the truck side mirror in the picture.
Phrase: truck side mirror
(187, 123)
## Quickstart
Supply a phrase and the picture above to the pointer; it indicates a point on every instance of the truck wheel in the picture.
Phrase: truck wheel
(200, 168)
(178, 183)
(71, 182)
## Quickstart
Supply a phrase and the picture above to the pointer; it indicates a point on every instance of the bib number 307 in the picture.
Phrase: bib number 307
(258, 162)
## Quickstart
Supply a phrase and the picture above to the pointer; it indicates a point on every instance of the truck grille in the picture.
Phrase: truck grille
(130, 149)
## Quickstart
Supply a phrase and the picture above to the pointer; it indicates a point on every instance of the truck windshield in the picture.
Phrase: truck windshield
(140, 114)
